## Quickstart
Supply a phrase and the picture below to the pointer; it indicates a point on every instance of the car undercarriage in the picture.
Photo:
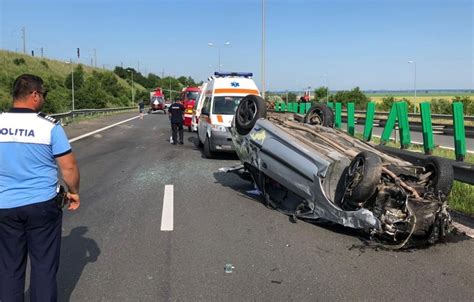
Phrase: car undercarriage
(309, 170)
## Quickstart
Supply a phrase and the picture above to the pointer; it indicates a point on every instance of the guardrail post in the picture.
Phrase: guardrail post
(404, 125)
(389, 125)
(308, 106)
(350, 119)
(369, 121)
(331, 105)
(294, 107)
(302, 109)
(338, 118)
(427, 127)
(459, 132)
(284, 107)
(278, 106)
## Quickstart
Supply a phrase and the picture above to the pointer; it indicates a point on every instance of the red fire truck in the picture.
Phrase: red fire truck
(188, 97)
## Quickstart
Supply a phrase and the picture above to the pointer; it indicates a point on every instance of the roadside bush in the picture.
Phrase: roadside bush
(386, 103)
(19, 61)
(441, 106)
(274, 99)
(468, 104)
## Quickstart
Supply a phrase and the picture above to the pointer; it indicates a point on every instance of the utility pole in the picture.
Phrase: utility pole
(95, 58)
(24, 39)
(41, 52)
(138, 66)
(121, 64)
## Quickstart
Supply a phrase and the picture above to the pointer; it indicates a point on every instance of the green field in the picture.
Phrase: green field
(422, 96)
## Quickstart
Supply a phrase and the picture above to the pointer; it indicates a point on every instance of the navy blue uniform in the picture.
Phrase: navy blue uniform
(30, 220)
(176, 113)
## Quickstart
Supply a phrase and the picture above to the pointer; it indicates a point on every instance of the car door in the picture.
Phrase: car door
(203, 120)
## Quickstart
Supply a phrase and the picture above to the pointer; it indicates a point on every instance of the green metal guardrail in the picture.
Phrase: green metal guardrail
(398, 115)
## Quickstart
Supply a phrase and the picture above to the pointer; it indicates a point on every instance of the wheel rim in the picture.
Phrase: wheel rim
(316, 117)
(247, 112)
(355, 173)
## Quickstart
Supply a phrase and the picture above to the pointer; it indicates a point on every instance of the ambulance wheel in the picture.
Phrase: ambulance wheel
(250, 109)
(207, 148)
(200, 144)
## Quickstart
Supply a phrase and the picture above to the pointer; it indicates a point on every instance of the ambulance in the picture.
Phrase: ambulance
(221, 98)
(198, 106)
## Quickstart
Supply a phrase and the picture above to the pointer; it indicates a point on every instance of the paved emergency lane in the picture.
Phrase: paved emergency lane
(114, 250)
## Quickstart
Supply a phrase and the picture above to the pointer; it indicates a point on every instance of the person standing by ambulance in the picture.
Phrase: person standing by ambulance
(32, 147)
(176, 115)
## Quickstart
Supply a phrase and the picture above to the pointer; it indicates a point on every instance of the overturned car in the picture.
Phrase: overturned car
(309, 170)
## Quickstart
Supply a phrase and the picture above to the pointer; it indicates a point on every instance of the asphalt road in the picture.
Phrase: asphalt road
(114, 250)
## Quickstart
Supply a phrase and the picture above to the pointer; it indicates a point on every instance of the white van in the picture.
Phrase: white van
(198, 106)
(221, 98)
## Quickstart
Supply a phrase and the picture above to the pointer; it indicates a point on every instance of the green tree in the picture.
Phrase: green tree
(153, 80)
(355, 95)
(78, 78)
(91, 95)
(321, 93)
(291, 97)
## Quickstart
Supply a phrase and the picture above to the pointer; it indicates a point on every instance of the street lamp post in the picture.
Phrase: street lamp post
(72, 82)
(133, 96)
(218, 52)
(414, 63)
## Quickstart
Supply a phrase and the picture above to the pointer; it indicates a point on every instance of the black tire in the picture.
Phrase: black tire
(363, 175)
(200, 144)
(189, 129)
(250, 109)
(442, 180)
(208, 153)
(319, 114)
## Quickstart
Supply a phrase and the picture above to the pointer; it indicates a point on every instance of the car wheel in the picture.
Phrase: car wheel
(250, 109)
(442, 178)
(189, 129)
(362, 178)
(207, 148)
(319, 114)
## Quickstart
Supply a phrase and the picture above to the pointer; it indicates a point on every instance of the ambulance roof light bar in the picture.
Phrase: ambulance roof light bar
(233, 74)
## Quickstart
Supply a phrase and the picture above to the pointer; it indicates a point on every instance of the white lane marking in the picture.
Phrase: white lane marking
(167, 215)
(100, 130)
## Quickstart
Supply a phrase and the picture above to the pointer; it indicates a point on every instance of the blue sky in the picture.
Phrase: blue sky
(342, 43)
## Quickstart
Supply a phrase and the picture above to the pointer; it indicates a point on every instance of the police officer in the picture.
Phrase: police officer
(176, 114)
(32, 146)
(141, 108)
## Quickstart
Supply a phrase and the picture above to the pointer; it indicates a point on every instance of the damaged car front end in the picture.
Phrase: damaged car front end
(309, 170)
